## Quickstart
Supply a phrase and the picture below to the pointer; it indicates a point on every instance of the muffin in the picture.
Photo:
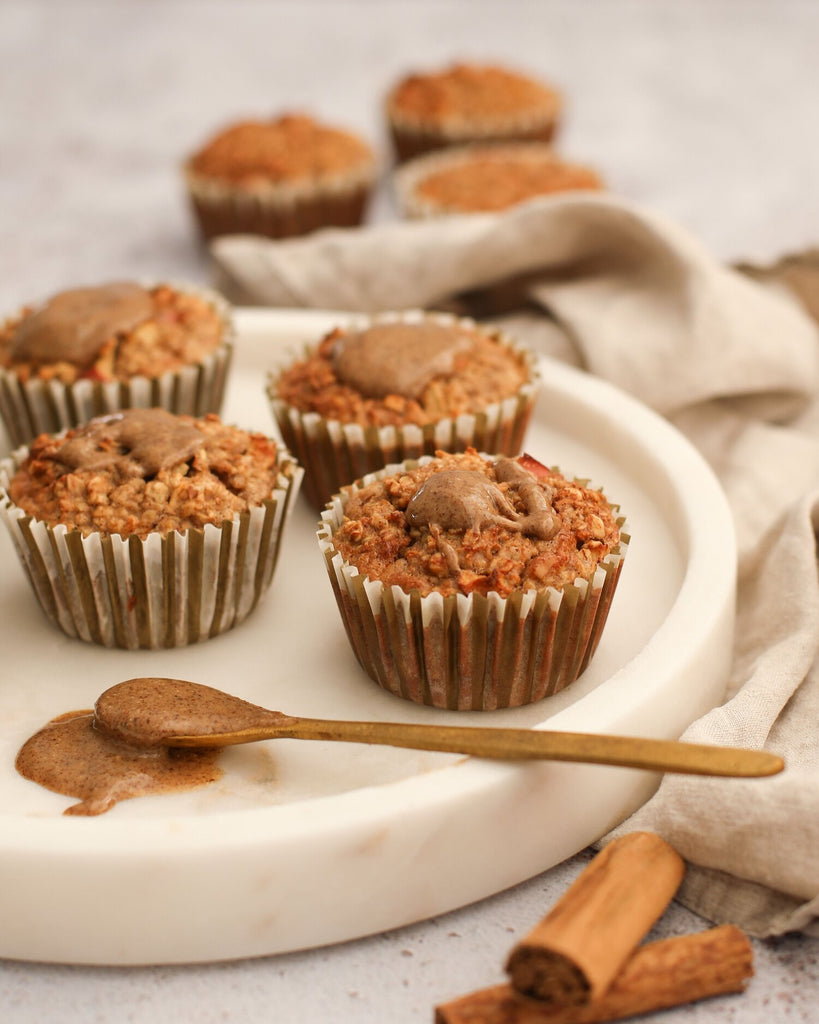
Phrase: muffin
(468, 103)
(90, 351)
(486, 179)
(400, 386)
(472, 582)
(281, 177)
(146, 529)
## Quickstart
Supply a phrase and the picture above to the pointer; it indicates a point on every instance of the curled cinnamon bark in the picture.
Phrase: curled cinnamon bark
(659, 975)
(574, 953)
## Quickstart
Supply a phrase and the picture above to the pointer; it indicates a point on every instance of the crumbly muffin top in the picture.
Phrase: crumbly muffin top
(111, 332)
(144, 471)
(470, 93)
(396, 372)
(488, 180)
(469, 524)
(291, 148)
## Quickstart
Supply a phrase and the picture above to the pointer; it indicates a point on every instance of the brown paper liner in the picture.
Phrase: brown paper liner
(474, 652)
(335, 454)
(411, 139)
(279, 211)
(39, 406)
(155, 593)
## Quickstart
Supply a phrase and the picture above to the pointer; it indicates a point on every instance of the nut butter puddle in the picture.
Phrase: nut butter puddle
(151, 735)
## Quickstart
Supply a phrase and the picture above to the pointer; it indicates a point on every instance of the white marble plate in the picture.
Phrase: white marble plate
(303, 844)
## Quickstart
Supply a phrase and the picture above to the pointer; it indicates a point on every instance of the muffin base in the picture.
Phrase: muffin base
(276, 212)
(160, 592)
(410, 139)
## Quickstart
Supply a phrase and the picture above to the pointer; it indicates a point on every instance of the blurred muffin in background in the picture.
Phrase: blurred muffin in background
(485, 179)
(469, 103)
(286, 176)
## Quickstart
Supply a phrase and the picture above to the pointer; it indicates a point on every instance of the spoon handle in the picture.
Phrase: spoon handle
(523, 744)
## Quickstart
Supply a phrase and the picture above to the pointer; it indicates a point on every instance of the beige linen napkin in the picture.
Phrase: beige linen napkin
(733, 360)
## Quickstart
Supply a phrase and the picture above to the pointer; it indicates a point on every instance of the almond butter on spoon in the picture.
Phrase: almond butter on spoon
(154, 712)
(153, 734)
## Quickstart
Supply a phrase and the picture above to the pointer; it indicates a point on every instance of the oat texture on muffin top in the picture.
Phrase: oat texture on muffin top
(145, 471)
(403, 372)
(465, 523)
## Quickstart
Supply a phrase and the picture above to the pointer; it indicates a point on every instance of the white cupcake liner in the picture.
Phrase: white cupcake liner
(33, 407)
(474, 652)
(335, 454)
(160, 592)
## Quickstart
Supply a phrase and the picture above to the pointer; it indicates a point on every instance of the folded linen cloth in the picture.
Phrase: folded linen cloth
(732, 359)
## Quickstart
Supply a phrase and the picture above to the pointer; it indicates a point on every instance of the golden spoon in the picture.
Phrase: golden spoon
(158, 712)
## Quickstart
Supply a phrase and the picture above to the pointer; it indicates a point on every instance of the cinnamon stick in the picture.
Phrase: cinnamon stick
(574, 953)
(659, 975)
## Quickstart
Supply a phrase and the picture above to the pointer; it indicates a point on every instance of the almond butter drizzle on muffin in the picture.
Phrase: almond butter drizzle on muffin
(396, 373)
(112, 332)
(466, 524)
(144, 471)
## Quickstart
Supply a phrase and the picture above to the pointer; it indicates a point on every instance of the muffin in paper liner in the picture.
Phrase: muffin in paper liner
(283, 177)
(48, 406)
(468, 651)
(157, 592)
(469, 103)
(334, 453)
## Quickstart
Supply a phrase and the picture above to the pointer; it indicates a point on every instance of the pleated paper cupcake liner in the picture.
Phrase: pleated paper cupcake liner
(33, 407)
(160, 592)
(335, 454)
(279, 211)
(469, 652)
(411, 139)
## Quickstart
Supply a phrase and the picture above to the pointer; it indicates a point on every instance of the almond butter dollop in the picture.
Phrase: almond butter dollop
(120, 749)
(70, 755)
(463, 499)
(74, 325)
(139, 442)
(397, 358)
